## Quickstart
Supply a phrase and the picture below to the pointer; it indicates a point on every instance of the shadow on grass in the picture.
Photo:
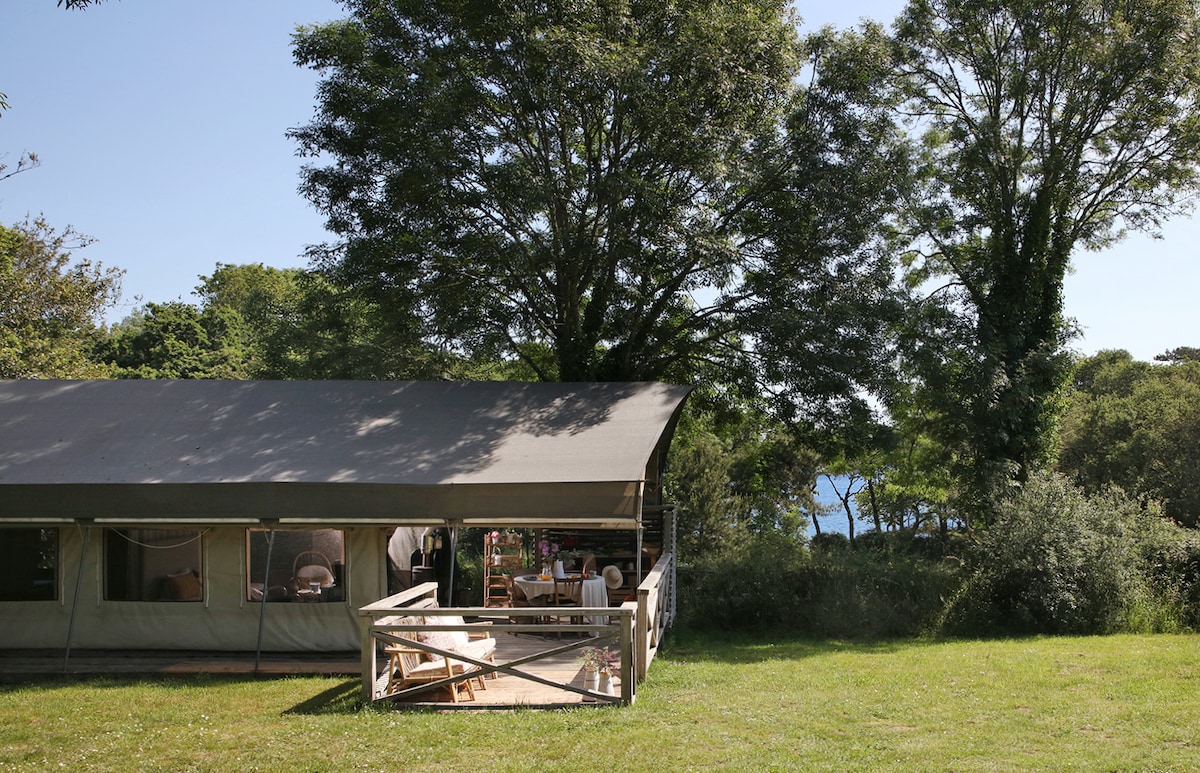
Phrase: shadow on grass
(341, 697)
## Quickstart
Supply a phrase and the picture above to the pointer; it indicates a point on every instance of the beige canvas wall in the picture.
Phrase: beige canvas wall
(225, 620)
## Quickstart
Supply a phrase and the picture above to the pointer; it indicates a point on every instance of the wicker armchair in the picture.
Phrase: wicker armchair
(311, 566)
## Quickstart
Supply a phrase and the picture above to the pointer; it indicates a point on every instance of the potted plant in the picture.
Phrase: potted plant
(596, 661)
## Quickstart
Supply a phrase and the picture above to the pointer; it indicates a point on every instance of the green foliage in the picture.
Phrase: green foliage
(513, 183)
(177, 340)
(255, 321)
(821, 300)
(1056, 561)
(732, 481)
(908, 471)
(706, 507)
(50, 304)
(1179, 354)
(325, 330)
(266, 299)
(1137, 426)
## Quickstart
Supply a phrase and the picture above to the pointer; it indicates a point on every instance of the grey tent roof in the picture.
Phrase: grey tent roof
(359, 451)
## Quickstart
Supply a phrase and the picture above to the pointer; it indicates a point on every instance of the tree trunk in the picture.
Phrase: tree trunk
(874, 507)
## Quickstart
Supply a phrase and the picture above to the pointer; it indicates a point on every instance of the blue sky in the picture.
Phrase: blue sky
(160, 126)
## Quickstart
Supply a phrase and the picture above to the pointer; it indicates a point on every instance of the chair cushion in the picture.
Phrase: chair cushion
(455, 641)
(443, 640)
(480, 649)
(460, 637)
(433, 667)
(314, 573)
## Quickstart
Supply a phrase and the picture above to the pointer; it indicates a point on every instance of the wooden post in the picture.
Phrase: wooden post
(630, 662)
(642, 632)
(368, 662)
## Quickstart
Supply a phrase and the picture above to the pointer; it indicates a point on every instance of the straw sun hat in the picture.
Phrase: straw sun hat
(612, 577)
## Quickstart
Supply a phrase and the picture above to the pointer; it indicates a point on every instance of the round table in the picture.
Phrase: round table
(594, 592)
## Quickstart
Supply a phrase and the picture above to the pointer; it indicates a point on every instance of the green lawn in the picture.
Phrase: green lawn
(1106, 703)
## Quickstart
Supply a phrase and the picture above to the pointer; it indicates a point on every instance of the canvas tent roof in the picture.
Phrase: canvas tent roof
(502, 453)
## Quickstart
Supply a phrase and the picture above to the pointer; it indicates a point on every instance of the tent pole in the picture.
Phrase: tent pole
(87, 538)
(640, 503)
(638, 550)
(262, 606)
(453, 558)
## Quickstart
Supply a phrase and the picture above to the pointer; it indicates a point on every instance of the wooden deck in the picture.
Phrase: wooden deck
(507, 691)
(536, 660)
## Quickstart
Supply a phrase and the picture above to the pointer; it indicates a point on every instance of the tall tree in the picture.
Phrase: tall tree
(548, 181)
(820, 293)
(50, 303)
(1046, 127)
(266, 299)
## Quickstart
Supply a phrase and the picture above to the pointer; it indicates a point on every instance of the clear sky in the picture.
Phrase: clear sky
(160, 125)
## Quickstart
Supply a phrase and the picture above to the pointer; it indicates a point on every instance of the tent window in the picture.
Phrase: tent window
(29, 565)
(306, 565)
(153, 565)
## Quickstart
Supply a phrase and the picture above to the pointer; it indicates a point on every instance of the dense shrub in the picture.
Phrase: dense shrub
(1171, 567)
(1052, 561)
(782, 588)
(1056, 561)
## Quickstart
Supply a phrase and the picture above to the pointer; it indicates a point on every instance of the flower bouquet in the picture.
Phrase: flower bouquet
(597, 659)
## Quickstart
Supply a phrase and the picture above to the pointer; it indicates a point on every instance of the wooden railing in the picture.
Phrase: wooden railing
(383, 622)
(636, 627)
(655, 610)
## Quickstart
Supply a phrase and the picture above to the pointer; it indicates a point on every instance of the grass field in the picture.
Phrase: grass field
(1089, 704)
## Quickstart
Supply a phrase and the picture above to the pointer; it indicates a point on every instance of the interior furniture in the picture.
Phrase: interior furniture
(409, 666)
(311, 566)
(501, 554)
(476, 643)
(591, 593)
(498, 591)
(613, 548)
(568, 592)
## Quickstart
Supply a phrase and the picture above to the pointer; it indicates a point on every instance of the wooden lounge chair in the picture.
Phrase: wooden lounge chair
(409, 666)
(477, 644)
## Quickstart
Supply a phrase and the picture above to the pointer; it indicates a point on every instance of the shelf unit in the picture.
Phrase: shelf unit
(502, 554)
